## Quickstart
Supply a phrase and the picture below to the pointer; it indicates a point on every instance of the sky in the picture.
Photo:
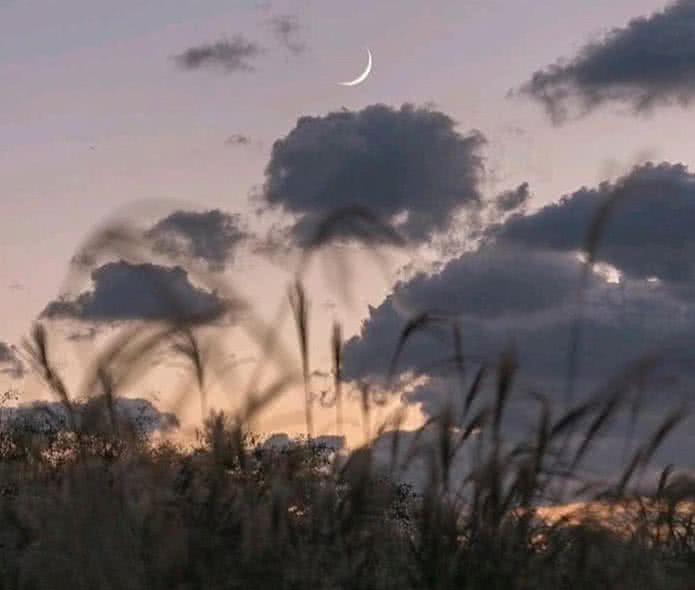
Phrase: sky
(488, 133)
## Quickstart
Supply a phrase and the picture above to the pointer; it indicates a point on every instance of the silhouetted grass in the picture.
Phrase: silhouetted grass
(92, 502)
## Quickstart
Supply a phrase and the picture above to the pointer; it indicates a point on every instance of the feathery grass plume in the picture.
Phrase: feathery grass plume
(350, 223)
(644, 453)
(505, 372)
(189, 346)
(107, 387)
(256, 402)
(614, 394)
(418, 323)
(300, 309)
(395, 422)
(37, 350)
(527, 483)
(473, 390)
(337, 357)
(663, 479)
(415, 448)
(476, 424)
(446, 425)
(127, 356)
(592, 239)
(364, 393)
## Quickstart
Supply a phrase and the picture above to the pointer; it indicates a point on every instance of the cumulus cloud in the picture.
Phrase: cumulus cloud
(230, 55)
(286, 29)
(125, 291)
(613, 336)
(520, 287)
(10, 363)
(409, 166)
(492, 292)
(648, 233)
(211, 236)
(649, 62)
(495, 282)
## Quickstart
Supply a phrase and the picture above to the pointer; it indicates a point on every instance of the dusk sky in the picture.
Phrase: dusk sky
(487, 132)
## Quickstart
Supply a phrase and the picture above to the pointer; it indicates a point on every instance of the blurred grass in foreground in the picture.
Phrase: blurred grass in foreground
(92, 502)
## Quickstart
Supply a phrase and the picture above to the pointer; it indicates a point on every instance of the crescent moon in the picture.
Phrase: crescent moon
(363, 76)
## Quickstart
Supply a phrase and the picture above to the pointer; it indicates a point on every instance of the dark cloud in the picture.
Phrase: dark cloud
(649, 62)
(512, 200)
(52, 417)
(286, 28)
(520, 288)
(613, 335)
(228, 54)
(409, 166)
(495, 282)
(492, 292)
(10, 363)
(648, 234)
(125, 291)
(211, 236)
(238, 139)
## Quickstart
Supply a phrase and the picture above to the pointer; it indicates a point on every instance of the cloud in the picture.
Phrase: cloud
(125, 291)
(520, 287)
(238, 139)
(10, 363)
(52, 417)
(211, 236)
(648, 63)
(492, 292)
(230, 55)
(409, 166)
(286, 28)
(513, 199)
(613, 335)
(648, 234)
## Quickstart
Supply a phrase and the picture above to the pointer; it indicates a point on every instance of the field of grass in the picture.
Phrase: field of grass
(92, 502)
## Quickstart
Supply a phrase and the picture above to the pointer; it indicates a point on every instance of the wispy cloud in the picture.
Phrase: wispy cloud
(231, 55)
(286, 29)
(238, 139)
